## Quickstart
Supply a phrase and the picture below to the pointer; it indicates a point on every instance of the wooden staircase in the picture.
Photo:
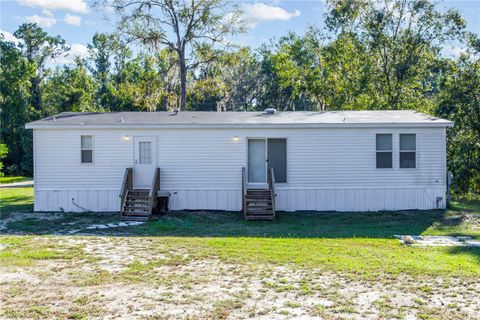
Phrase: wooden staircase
(259, 204)
(138, 204)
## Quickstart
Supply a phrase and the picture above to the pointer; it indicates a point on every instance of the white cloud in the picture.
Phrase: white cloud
(79, 6)
(41, 21)
(261, 12)
(79, 50)
(9, 37)
(72, 19)
(47, 12)
(453, 51)
(76, 50)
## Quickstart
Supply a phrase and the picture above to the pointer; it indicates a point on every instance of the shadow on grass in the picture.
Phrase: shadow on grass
(291, 225)
(470, 251)
(232, 224)
(25, 200)
(471, 206)
(15, 200)
(9, 205)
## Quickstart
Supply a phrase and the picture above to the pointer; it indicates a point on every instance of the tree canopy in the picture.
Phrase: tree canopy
(172, 54)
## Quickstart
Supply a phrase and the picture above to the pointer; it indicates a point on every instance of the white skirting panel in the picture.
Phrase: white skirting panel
(371, 199)
(374, 199)
(228, 200)
(83, 200)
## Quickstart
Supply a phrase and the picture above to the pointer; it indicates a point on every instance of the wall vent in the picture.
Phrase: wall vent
(270, 111)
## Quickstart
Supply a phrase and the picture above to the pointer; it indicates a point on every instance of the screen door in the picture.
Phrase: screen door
(257, 161)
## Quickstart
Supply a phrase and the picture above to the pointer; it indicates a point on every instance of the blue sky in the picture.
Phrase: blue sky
(76, 21)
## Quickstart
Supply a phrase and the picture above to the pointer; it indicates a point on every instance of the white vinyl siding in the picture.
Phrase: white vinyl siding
(202, 168)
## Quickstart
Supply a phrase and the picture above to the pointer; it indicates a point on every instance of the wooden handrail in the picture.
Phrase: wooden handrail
(155, 185)
(271, 186)
(127, 184)
(244, 191)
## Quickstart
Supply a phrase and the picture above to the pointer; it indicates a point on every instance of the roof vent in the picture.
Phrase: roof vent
(270, 111)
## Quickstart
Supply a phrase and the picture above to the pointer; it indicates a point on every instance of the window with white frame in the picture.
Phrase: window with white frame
(408, 149)
(384, 151)
(86, 149)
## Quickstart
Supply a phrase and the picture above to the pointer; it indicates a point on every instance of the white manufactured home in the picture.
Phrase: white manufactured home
(256, 161)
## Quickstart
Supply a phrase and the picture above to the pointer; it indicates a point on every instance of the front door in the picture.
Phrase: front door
(144, 161)
(257, 163)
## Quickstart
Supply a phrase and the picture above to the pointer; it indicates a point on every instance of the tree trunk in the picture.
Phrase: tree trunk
(183, 81)
(35, 93)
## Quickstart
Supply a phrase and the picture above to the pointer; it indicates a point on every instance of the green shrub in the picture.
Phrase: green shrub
(3, 154)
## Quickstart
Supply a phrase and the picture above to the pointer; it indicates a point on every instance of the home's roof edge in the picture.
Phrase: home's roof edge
(443, 123)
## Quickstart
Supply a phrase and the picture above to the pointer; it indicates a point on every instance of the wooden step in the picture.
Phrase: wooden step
(136, 218)
(139, 197)
(260, 197)
(259, 208)
(259, 202)
(134, 202)
(260, 212)
(264, 208)
(136, 213)
(259, 193)
(132, 208)
(137, 194)
(257, 217)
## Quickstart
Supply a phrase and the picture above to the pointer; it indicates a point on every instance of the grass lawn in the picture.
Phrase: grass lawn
(6, 180)
(216, 265)
(15, 200)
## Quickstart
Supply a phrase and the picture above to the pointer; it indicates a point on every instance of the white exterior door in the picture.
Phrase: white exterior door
(145, 161)
(257, 163)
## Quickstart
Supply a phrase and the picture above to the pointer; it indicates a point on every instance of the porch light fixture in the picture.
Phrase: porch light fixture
(126, 138)
(236, 138)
